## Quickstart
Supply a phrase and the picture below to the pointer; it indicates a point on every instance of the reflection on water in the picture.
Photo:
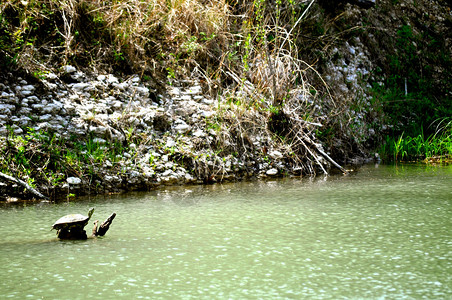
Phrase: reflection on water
(383, 232)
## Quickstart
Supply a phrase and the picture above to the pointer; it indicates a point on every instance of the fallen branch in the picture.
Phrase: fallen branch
(24, 184)
(331, 160)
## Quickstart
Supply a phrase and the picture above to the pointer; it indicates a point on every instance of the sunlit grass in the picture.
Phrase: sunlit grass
(434, 148)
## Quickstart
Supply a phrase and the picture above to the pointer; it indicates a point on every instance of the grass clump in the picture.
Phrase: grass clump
(433, 148)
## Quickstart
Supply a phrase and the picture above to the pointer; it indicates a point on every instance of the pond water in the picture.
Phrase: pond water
(382, 232)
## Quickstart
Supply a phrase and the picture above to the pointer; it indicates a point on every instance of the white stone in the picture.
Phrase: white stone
(185, 97)
(207, 101)
(276, 154)
(73, 180)
(5, 95)
(6, 108)
(18, 131)
(167, 173)
(199, 133)
(174, 91)
(28, 88)
(121, 86)
(112, 79)
(68, 69)
(26, 93)
(207, 114)
(194, 90)
(272, 172)
(45, 118)
(80, 86)
(142, 91)
(170, 143)
(51, 76)
(182, 128)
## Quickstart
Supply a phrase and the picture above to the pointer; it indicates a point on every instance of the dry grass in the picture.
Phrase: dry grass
(138, 33)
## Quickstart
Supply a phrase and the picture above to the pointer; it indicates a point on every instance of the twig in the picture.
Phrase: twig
(295, 25)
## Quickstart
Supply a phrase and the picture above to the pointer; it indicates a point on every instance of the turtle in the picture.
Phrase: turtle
(71, 226)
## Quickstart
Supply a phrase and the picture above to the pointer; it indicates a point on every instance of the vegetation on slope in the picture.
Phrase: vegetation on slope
(270, 57)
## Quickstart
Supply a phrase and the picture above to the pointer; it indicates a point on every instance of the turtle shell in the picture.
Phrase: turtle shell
(70, 221)
(73, 220)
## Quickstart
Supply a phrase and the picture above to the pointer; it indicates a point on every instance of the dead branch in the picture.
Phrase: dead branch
(24, 184)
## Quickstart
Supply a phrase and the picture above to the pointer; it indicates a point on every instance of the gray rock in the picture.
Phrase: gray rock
(144, 91)
(182, 127)
(68, 69)
(26, 93)
(74, 180)
(45, 118)
(80, 86)
(272, 172)
(99, 141)
(120, 86)
(51, 76)
(23, 121)
(52, 108)
(3, 131)
(6, 109)
(98, 130)
(28, 87)
(112, 79)
(194, 90)
(25, 111)
(276, 154)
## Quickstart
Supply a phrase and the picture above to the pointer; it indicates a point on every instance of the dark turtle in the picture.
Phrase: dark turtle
(71, 226)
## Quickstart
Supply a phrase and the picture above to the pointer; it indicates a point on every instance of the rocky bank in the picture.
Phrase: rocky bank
(118, 132)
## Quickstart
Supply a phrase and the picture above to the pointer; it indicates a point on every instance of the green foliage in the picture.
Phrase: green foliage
(45, 158)
(405, 147)
(414, 95)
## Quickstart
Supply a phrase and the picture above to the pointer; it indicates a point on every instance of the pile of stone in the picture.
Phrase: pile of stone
(108, 108)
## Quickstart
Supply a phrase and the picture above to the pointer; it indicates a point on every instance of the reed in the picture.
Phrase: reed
(435, 148)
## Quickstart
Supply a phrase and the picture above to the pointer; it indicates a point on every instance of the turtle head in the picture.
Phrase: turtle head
(90, 212)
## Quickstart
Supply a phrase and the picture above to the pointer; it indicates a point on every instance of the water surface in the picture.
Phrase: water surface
(383, 232)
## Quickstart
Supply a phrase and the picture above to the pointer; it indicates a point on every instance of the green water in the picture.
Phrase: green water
(381, 233)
